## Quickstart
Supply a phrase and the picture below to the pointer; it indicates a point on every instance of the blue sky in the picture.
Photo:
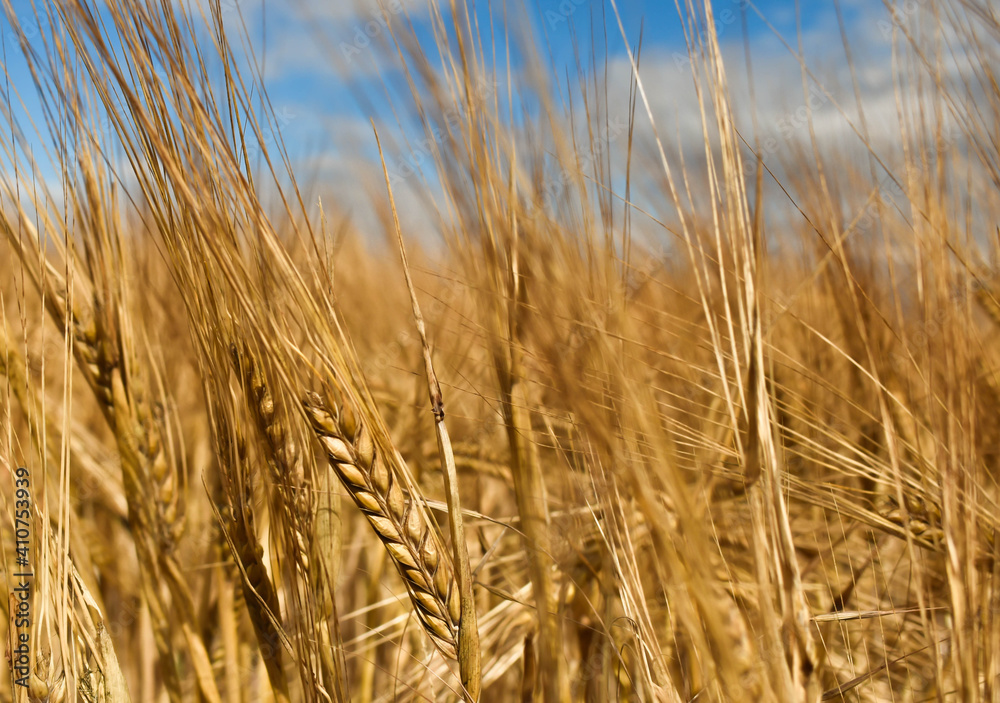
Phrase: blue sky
(300, 45)
(321, 107)
(326, 75)
(299, 42)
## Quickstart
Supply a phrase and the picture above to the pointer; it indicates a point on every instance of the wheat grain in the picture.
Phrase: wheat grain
(397, 521)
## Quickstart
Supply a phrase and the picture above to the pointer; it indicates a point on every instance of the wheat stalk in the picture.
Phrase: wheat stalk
(259, 593)
(307, 516)
(103, 348)
(395, 517)
(469, 654)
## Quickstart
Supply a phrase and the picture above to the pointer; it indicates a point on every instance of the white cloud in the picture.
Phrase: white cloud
(782, 110)
(316, 37)
(362, 9)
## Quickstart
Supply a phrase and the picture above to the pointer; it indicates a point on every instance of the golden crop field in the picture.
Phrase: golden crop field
(545, 394)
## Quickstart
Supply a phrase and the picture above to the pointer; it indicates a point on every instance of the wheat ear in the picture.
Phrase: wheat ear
(396, 519)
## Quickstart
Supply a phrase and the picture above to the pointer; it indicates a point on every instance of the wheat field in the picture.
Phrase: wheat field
(621, 419)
